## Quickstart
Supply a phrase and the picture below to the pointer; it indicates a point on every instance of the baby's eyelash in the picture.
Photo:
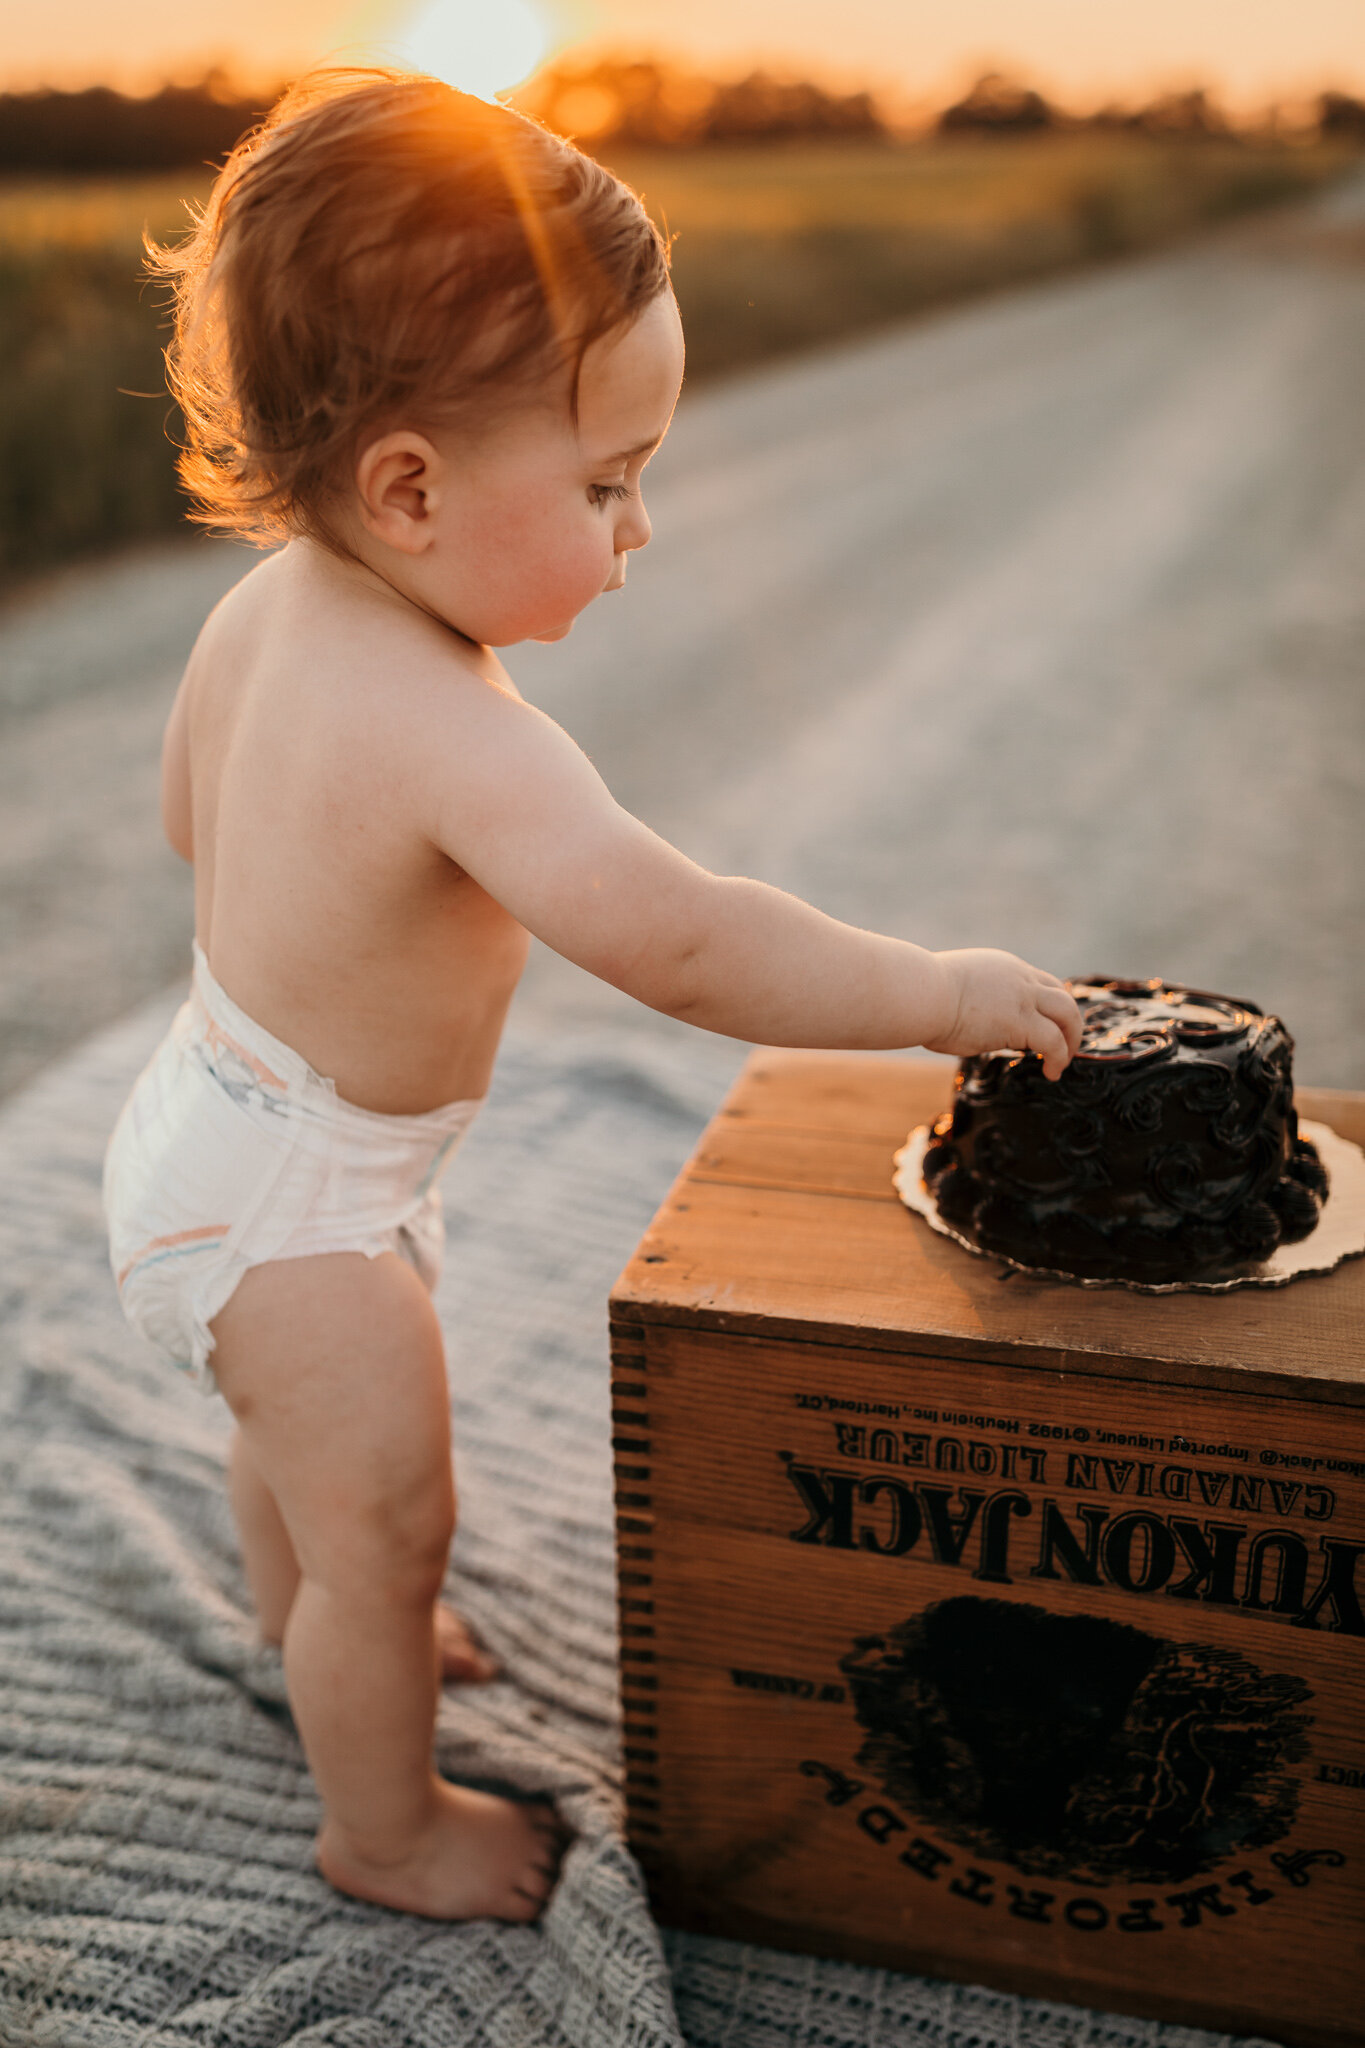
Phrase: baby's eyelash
(602, 492)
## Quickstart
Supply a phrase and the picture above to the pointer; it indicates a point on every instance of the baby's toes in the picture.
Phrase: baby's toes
(535, 1885)
(462, 1659)
(531, 1889)
(523, 1906)
(552, 1839)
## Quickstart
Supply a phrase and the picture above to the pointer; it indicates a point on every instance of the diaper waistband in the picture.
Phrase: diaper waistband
(278, 1067)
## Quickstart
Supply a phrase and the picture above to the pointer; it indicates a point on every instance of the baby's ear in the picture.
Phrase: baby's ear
(397, 481)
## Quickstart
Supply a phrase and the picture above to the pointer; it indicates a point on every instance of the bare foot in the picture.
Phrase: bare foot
(461, 1657)
(479, 1858)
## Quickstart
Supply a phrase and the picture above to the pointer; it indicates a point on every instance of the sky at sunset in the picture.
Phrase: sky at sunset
(1083, 50)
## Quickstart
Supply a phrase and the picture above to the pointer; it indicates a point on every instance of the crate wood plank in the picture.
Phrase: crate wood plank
(749, 1154)
(864, 1093)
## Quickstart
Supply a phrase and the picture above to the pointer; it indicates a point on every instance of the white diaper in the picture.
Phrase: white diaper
(231, 1152)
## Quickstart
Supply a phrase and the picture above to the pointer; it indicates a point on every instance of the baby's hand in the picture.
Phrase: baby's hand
(1002, 1001)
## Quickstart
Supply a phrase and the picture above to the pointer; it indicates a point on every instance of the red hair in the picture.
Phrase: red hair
(383, 250)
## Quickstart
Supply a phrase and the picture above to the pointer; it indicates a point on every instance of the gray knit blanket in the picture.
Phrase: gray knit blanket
(156, 1817)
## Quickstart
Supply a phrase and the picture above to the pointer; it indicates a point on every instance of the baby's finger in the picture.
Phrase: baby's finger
(1064, 1011)
(1047, 1040)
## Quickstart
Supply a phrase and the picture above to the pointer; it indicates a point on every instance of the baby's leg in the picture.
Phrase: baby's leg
(272, 1571)
(334, 1369)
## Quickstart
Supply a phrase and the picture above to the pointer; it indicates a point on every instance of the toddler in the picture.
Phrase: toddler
(432, 348)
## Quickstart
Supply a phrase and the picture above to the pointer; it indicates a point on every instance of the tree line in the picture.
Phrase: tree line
(617, 102)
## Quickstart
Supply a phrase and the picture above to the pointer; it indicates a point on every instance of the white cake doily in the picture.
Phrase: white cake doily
(1340, 1233)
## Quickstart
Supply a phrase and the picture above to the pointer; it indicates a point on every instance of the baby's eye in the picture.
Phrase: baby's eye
(601, 494)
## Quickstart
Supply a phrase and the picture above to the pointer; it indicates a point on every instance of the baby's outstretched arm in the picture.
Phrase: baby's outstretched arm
(523, 811)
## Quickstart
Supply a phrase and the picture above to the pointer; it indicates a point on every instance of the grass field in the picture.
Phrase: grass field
(784, 247)
(777, 248)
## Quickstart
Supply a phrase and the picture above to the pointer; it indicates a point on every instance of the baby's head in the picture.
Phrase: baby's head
(426, 333)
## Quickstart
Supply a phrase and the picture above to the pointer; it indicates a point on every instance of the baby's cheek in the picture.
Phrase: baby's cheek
(542, 567)
(576, 568)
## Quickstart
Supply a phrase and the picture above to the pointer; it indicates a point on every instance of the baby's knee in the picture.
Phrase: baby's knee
(393, 1549)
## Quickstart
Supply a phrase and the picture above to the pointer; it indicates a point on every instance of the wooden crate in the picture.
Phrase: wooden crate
(983, 1626)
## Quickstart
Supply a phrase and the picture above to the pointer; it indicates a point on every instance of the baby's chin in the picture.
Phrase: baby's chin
(563, 632)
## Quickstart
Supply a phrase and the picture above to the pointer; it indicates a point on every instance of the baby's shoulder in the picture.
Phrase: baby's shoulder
(319, 645)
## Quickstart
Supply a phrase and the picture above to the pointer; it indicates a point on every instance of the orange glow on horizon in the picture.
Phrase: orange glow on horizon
(1250, 51)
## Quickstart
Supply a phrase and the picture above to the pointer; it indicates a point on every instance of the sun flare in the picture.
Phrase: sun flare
(482, 47)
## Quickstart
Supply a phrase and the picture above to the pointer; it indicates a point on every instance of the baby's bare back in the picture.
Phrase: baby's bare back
(325, 909)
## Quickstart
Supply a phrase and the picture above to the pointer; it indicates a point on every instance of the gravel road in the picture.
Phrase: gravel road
(1038, 624)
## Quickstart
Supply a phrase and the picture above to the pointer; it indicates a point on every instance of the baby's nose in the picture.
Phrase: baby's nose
(633, 529)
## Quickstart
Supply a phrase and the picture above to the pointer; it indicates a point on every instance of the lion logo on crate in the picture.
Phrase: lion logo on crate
(1071, 1746)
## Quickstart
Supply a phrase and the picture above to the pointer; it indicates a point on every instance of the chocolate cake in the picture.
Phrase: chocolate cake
(1168, 1151)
